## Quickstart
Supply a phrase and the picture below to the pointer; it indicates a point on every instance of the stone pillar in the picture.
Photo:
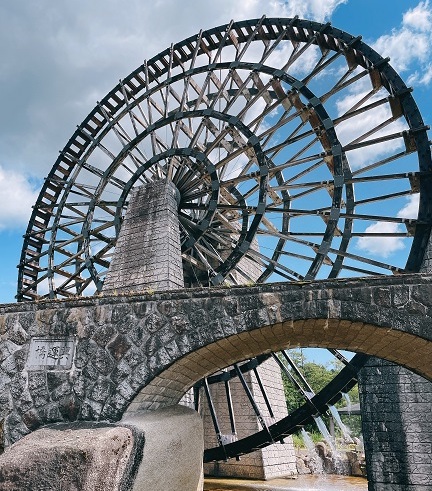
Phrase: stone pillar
(396, 407)
(148, 255)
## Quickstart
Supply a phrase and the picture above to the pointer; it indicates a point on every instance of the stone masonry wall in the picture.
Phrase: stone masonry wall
(397, 427)
(132, 351)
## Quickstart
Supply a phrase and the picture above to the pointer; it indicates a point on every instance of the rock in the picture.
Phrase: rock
(357, 463)
(72, 457)
(302, 468)
(322, 450)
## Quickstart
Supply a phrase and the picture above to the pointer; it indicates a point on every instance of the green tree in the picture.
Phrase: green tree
(317, 375)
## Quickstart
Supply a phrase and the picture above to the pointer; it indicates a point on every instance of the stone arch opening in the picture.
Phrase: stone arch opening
(410, 351)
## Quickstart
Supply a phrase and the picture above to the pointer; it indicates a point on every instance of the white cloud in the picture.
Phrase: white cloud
(411, 43)
(419, 17)
(63, 57)
(316, 9)
(17, 197)
(386, 246)
(404, 47)
(421, 77)
(410, 210)
(381, 246)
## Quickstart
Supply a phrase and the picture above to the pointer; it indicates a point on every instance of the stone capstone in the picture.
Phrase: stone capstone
(72, 457)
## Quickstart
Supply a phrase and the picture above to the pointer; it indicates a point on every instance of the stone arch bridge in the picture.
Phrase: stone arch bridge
(96, 358)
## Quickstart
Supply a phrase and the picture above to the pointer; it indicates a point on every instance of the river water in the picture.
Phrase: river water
(302, 483)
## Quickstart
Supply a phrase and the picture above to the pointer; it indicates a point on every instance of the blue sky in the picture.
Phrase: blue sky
(59, 59)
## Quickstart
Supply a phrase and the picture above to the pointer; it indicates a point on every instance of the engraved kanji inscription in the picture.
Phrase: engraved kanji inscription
(49, 352)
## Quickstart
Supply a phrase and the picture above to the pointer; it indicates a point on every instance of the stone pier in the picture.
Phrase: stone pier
(148, 259)
(396, 408)
(148, 254)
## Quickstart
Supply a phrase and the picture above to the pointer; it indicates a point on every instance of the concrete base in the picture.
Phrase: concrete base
(173, 452)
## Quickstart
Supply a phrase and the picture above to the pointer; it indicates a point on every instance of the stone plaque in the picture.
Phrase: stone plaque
(50, 352)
